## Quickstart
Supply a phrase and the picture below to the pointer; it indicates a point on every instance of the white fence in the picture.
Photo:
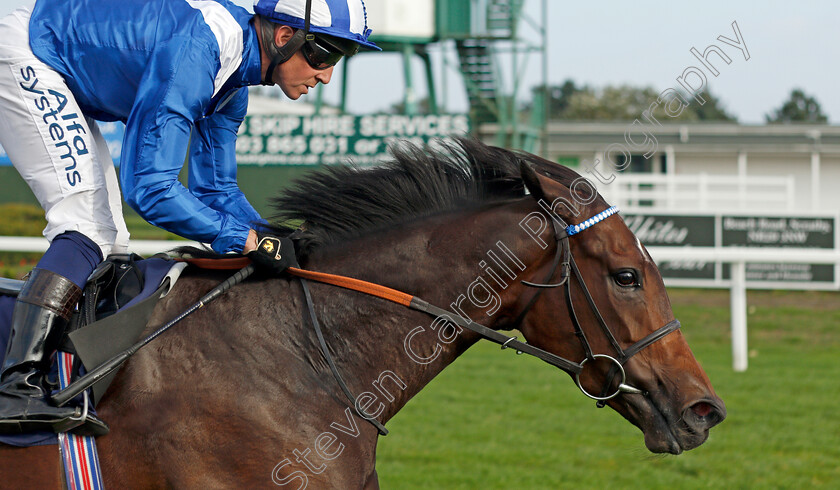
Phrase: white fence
(707, 192)
(739, 257)
(39, 244)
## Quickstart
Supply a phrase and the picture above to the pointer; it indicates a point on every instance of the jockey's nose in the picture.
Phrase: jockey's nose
(324, 76)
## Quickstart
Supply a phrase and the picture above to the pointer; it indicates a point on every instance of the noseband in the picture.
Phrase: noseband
(564, 259)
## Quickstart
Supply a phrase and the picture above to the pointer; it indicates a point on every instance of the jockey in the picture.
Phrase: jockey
(176, 72)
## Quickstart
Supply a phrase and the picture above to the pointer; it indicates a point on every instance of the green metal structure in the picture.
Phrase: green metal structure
(491, 56)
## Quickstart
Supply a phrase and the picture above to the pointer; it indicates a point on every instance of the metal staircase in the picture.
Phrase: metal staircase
(478, 65)
(502, 18)
(479, 70)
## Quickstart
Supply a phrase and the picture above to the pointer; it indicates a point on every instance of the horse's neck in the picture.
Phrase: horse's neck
(394, 352)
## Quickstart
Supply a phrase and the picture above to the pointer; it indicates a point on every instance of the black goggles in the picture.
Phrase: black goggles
(321, 54)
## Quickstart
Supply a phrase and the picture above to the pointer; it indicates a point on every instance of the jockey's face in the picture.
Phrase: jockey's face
(296, 76)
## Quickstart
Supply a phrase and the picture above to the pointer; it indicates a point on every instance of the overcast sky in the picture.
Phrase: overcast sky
(646, 42)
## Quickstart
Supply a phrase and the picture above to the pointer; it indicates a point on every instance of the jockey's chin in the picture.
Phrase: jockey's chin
(294, 92)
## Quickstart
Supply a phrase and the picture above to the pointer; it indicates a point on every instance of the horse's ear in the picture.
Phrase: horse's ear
(550, 192)
(532, 182)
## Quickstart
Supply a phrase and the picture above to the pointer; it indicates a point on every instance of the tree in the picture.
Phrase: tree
(612, 103)
(799, 107)
(569, 101)
(558, 95)
(712, 110)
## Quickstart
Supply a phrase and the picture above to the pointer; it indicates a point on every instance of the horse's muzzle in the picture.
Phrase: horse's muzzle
(691, 429)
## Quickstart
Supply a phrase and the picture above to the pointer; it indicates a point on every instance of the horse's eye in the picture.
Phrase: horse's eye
(626, 278)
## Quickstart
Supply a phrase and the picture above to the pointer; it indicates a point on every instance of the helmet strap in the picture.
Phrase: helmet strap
(281, 54)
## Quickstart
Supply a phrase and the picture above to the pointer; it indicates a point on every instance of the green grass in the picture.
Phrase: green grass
(142, 230)
(496, 420)
(19, 220)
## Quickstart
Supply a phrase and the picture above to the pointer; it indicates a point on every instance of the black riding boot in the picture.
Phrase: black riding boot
(41, 313)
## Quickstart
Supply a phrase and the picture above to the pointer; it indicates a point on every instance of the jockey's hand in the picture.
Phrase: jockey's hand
(273, 254)
(250, 242)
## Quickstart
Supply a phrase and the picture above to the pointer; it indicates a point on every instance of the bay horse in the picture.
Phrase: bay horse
(240, 395)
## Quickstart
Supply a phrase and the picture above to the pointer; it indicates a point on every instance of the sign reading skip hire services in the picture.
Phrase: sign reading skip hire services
(333, 139)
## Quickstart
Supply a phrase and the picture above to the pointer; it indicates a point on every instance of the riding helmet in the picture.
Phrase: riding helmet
(343, 19)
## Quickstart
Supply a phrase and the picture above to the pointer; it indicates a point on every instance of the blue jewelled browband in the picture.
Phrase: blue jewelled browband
(575, 229)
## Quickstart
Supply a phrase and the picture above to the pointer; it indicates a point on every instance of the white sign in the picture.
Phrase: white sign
(401, 18)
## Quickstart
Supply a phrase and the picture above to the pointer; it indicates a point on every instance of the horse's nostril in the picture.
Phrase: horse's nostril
(702, 409)
(704, 415)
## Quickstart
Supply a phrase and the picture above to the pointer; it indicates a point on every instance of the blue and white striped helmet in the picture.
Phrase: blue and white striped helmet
(346, 19)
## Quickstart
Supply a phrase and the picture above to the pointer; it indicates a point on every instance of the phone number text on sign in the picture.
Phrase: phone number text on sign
(313, 140)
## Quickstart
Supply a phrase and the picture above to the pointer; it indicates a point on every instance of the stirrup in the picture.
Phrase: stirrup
(82, 424)
(77, 420)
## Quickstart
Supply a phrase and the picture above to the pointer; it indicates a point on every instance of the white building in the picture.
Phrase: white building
(705, 166)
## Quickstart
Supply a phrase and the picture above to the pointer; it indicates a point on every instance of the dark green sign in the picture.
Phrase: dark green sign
(334, 139)
(656, 230)
(687, 269)
(775, 272)
(778, 231)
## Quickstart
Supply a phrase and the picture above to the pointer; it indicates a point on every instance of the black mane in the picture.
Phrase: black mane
(343, 202)
(335, 204)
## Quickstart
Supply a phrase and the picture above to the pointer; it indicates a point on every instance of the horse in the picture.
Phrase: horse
(239, 394)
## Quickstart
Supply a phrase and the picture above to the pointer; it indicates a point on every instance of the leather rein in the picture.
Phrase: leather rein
(565, 261)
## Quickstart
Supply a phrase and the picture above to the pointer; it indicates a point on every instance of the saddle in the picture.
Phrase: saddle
(115, 307)
(111, 286)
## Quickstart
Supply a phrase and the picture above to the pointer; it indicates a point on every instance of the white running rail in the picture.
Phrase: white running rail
(39, 244)
(738, 257)
(705, 192)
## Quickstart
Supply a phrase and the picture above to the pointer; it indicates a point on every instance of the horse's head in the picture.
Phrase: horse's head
(608, 299)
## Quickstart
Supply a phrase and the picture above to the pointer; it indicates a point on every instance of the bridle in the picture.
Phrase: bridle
(564, 259)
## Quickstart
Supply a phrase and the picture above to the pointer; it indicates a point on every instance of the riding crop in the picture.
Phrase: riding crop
(112, 364)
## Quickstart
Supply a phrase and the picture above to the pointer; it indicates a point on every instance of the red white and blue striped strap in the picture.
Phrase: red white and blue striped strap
(81, 462)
